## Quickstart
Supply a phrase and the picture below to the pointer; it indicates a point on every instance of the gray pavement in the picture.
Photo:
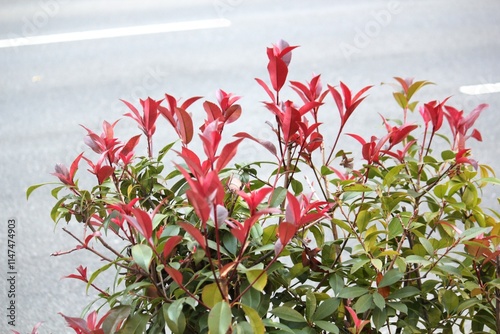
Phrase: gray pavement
(47, 90)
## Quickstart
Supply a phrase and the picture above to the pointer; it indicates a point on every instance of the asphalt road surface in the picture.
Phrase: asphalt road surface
(65, 63)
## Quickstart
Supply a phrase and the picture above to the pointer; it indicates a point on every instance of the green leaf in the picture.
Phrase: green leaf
(395, 228)
(288, 314)
(417, 259)
(136, 324)
(310, 304)
(359, 263)
(336, 283)
(353, 292)
(440, 190)
(257, 277)
(219, 318)
(272, 324)
(330, 327)
(448, 155)
(255, 319)
(379, 317)
(142, 255)
(427, 245)
(398, 306)
(405, 292)
(392, 175)
(450, 301)
(356, 187)
(390, 277)
(278, 196)
(492, 180)
(35, 186)
(364, 303)
(416, 86)
(96, 273)
(115, 317)
(378, 300)
(362, 220)
(377, 263)
(175, 319)
(326, 308)
(211, 295)
(296, 187)
(472, 302)
(157, 219)
(400, 99)
(473, 232)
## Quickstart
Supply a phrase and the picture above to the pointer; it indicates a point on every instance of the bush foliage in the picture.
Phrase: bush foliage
(311, 238)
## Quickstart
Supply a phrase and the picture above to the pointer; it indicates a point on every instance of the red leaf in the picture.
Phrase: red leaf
(189, 102)
(302, 90)
(290, 124)
(266, 88)
(286, 232)
(338, 101)
(78, 324)
(130, 145)
(267, 144)
(200, 205)
(142, 223)
(278, 72)
(309, 106)
(171, 243)
(193, 162)
(227, 154)
(175, 274)
(185, 125)
(213, 111)
(232, 113)
(292, 214)
(103, 173)
(195, 233)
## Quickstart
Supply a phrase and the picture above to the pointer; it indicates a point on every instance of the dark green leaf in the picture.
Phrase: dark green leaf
(330, 327)
(378, 300)
(288, 314)
(115, 318)
(135, 324)
(405, 292)
(353, 292)
(390, 277)
(310, 304)
(450, 301)
(364, 303)
(326, 308)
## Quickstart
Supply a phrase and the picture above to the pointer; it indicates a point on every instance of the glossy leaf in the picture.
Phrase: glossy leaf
(211, 295)
(219, 318)
(257, 278)
(142, 255)
(255, 319)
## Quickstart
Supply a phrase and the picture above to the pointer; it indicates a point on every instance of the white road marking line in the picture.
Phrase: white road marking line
(115, 32)
(481, 89)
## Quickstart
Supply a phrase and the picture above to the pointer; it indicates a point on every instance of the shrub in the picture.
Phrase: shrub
(315, 239)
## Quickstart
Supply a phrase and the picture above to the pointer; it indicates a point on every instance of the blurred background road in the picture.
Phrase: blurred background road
(56, 72)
